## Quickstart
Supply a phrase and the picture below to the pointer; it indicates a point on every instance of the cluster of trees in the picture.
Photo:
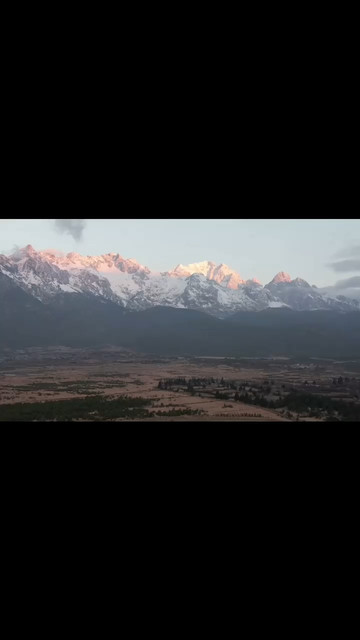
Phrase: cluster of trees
(168, 383)
(89, 408)
(183, 382)
(180, 412)
(190, 384)
(340, 380)
(80, 387)
(317, 404)
(260, 400)
(313, 404)
(220, 395)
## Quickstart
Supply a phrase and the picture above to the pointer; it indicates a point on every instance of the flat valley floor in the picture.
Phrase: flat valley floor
(39, 375)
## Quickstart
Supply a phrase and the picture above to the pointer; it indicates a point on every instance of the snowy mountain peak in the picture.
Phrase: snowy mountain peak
(182, 271)
(25, 252)
(205, 286)
(281, 277)
(107, 263)
(222, 274)
(299, 282)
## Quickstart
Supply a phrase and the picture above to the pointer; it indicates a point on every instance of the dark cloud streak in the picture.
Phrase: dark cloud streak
(351, 262)
(346, 265)
(348, 283)
(349, 252)
(73, 227)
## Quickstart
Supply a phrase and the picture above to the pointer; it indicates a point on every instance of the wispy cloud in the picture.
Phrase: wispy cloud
(353, 282)
(349, 252)
(9, 252)
(346, 265)
(73, 227)
(351, 262)
(349, 287)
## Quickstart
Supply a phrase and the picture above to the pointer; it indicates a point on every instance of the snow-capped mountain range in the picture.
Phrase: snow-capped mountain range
(204, 286)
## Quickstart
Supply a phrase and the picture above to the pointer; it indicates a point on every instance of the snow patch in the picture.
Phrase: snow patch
(276, 305)
(68, 288)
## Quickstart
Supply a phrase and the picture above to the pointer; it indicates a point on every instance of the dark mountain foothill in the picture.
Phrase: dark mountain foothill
(201, 309)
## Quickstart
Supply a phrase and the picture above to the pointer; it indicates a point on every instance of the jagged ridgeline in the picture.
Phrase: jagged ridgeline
(204, 286)
(48, 298)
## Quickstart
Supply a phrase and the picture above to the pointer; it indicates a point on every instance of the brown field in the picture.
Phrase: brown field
(36, 375)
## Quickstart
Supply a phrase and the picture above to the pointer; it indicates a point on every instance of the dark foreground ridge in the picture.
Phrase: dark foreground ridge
(81, 321)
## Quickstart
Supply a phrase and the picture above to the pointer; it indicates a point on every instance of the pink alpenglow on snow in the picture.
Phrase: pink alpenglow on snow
(204, 286)
(281, 277)
(222, 274)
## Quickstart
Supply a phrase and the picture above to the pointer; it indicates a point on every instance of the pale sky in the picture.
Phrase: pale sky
(253, 247)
